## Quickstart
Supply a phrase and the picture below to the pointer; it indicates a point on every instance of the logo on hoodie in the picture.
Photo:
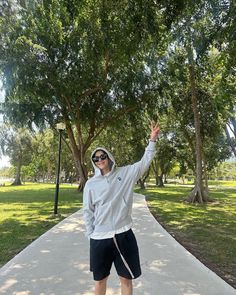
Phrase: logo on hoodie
(119, 178)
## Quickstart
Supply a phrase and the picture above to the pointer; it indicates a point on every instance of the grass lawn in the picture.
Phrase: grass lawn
(207, 231)
(222, 183)
(25, 214)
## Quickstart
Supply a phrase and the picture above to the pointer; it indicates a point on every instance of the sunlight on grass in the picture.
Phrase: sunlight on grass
(25, 213)
(209, 229)
(222, 183)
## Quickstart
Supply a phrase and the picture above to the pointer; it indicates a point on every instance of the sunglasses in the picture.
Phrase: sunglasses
(98, 158)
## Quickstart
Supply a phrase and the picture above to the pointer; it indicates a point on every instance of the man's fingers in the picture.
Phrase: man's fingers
(156, 126)
(153, 124)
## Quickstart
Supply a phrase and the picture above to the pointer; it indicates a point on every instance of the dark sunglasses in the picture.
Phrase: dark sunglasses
(101, 157)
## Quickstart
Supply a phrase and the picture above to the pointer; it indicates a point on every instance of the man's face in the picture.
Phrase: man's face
(102, 161)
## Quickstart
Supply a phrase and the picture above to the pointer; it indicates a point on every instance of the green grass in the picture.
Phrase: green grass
(222, 183)
(231, 183)
(25, 214)
(209, 231)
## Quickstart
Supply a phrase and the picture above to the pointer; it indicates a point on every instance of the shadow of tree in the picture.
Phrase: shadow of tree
(208, 231)
(27, 214)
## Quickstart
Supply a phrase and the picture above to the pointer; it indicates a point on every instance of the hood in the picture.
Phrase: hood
(96, 169)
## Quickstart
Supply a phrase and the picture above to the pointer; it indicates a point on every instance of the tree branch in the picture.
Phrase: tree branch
(118, 114)
(90, 91)
(232, 129)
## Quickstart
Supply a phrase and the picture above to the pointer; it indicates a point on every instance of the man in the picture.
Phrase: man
(107, 207)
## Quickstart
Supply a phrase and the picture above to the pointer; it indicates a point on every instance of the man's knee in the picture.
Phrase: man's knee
(126, 282)
(101, 282)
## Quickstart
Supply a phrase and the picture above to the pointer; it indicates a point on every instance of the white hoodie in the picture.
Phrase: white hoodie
(108, 199)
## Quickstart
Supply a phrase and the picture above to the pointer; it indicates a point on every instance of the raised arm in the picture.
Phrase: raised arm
(140, 167)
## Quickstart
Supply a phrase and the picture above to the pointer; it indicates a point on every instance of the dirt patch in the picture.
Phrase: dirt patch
(223, 271)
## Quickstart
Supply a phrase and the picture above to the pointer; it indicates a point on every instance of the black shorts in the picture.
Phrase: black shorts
(122, 250)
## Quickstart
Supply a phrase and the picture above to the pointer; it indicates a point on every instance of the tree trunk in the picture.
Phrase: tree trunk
(197, 194)
(205, 175)
(141, 183)
(142, 180)
(79, 149)
(78, 158)
(155, 169)
(17, 180)
(165, 178)
(156, 177)
(83, 176)
(160, 180)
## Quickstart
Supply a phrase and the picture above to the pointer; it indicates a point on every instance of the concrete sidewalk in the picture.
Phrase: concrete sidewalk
(57, 263)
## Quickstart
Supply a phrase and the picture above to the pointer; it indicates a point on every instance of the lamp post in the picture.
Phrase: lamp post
(60, 127)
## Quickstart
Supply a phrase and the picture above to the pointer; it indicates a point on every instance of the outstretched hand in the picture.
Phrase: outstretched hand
(155, 129)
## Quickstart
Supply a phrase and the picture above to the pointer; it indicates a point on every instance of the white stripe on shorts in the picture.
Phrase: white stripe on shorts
(123, 259)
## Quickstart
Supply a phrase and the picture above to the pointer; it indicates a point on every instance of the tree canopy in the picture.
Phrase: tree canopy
(97, 64)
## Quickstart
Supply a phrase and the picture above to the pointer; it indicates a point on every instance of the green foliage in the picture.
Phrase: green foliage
(82, 63)
(16, 143)
(166, 154)
(224, 171)
(226, 38)
(199, 29)
(76, 57)
(37, 153)
(45, 158)
(6, 172)
(90, 64)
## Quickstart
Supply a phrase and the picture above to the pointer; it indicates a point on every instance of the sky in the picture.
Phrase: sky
(4, 162)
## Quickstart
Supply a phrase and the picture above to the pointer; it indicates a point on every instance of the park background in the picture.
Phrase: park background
(104, 71)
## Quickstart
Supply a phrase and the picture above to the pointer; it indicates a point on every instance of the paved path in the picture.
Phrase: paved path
(57, 263)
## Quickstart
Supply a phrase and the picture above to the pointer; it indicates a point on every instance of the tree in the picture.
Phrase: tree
(16, 143)
(195, 33)
(215, 152)
(164, 159)
(222, 88)
(42, 166)
(227, 49)
(80, 62)
(198, 193)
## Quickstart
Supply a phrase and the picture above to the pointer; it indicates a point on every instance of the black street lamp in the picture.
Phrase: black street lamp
(60, 127)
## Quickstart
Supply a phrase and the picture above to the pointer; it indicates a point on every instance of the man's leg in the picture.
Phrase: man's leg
(126, 286)
(101, 286)
(101, 258)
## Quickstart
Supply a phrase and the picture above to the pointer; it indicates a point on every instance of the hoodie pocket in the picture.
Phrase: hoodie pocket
(103, 214)
(123, 209)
